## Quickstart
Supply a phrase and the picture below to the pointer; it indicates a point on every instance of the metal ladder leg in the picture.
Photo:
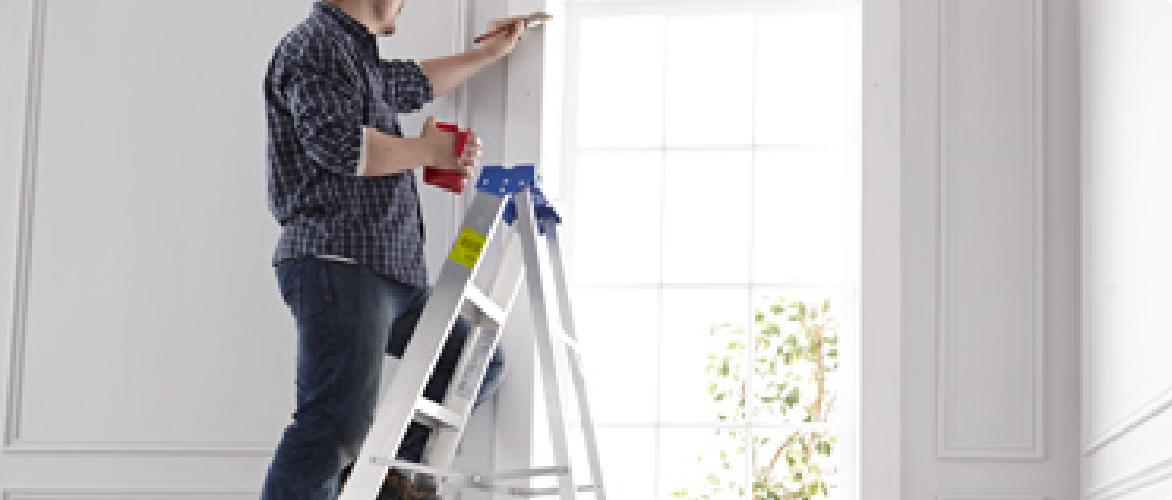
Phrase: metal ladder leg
(524, 257)
(574, 359)
(419, 359)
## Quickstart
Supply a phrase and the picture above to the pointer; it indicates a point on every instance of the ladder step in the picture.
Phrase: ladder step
(486, 305)
(474, 475)
(534, 492)
(436, 415)
(523, 491)
(426, 469)
(553, 470)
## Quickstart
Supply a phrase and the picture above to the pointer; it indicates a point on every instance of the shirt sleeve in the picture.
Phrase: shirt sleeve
(327, 116)
(408, 84)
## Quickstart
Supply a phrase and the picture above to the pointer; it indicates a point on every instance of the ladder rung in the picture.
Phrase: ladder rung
(522, 491)
(426, 469)
(553, 470)
(486, 305)
(474, 475)
(436, 415)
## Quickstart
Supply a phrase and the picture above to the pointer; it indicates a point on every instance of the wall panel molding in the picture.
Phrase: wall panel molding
(1133, 481)
(990, 140)
(1130, 420)
(12, 397)
(122, 494)
(159, 448)
(991, 497)
(12, 442)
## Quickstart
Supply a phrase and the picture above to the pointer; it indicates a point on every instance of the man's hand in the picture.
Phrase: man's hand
(443, 146)
(502, 43)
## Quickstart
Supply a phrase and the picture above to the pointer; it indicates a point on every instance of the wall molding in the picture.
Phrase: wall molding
(11, 442)
(1133, 481)
(122, 493)
(1130, 420)
(20, 291)
(151, 448)
(991, 497)
(946, 390)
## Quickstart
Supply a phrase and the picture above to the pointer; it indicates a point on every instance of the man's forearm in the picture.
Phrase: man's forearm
(387, 154)
(447, 73)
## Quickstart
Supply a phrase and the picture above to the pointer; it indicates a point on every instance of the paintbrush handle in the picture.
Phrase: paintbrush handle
(491, 34)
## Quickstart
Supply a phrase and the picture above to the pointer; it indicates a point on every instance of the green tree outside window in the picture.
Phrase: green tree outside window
(795, 352)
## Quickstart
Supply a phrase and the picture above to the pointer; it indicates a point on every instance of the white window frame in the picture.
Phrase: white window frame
(533, 127)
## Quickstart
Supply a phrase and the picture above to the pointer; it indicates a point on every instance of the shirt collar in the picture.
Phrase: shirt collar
(349, 25)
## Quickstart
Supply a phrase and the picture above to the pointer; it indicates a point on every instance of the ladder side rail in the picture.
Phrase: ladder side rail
(419, 358)
(444, 443)
(536, 266)
(575, 359)
(507, 282)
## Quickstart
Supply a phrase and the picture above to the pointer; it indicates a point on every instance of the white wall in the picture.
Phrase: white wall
(992, 199)
(146, 350)
(1127, 74)
(990, 258)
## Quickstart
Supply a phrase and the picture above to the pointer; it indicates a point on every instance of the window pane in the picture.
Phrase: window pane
(620, 81)
(703, 363)
(706, 218)
(616, 221)
(797, 370)
(805, 77)
(800, 217)
(618, 330)
(774, 477)
(709, 81)
(628, 455)
(703, 461)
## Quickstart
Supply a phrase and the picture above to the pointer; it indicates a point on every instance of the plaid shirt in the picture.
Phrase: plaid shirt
(324, 82)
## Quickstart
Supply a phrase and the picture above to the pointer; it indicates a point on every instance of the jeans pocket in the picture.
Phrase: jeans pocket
(288, 282)
(306, 286)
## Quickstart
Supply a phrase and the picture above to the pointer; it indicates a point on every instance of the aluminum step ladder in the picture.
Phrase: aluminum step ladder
(503, 195)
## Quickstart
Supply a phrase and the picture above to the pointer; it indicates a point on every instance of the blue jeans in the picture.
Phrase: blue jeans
(348, 319)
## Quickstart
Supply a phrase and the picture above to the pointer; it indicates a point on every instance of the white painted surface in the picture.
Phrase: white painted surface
(165, 456)
(146, 350)
(990, 309)
(1127, 71)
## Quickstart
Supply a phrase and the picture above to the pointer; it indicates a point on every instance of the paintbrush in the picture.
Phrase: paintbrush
(532, 20)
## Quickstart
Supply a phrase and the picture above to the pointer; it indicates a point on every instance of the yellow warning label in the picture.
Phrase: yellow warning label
(467, 249)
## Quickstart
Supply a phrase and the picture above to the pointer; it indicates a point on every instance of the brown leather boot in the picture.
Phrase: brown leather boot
(398, 486)
(426, 486)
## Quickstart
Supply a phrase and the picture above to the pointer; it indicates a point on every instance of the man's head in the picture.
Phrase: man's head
(379, 16)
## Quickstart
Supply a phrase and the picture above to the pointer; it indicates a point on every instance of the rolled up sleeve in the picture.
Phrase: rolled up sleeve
(407, 85)
(327, 118)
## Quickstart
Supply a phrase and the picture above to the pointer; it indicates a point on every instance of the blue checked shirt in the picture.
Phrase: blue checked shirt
(324, 82)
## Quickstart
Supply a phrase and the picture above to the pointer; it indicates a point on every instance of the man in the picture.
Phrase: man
(349, 261)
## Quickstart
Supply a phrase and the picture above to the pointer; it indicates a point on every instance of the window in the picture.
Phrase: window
(711, 168)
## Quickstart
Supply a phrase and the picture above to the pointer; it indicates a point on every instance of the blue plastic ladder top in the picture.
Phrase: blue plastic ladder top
(508, 181)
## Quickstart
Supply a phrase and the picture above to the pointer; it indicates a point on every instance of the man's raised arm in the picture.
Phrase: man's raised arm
(447, 73)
